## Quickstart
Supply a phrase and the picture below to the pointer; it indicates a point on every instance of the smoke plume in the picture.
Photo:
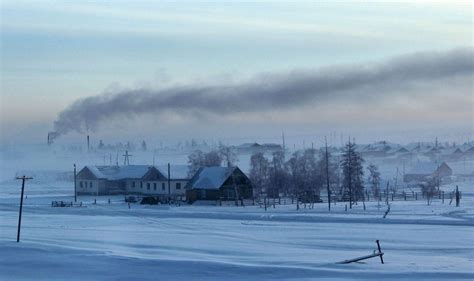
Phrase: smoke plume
(272, 91)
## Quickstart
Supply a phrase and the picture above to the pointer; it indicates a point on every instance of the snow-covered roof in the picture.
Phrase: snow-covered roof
(426, 168)
(249, 145)
(210, 177)
(176, 171)
(120, 172)
(136, 171)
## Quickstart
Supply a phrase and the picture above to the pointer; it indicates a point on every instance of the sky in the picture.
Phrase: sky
(236, 70)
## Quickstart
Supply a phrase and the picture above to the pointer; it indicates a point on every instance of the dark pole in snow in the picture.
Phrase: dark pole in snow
(23, 178)
(350, 174)
(169, 184)
(380, 250)
(327, 174)
(75, 191)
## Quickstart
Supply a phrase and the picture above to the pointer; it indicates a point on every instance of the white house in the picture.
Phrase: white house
(132, 179)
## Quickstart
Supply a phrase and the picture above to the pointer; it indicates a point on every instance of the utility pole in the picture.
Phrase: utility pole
(126, 160)
(350, 173)
(327, 175)
(75, 186)
(169, 184)
(23, 178)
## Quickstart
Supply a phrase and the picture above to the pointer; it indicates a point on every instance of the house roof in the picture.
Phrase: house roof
(176, 171)
(210, 177)
(136, 171)
(427, 168)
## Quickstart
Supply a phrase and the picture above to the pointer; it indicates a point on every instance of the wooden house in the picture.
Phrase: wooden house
(218, 183)
(424, 171)
(131, 179)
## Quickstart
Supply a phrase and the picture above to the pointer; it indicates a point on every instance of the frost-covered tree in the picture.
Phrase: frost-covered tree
(228, 155)
(278, 175)
(198, 159)
(195, 161)
(322, 173)
(374, 179)
(429, 190)
(258, 173)
(353, 173)
(212, 159)
(303, 169)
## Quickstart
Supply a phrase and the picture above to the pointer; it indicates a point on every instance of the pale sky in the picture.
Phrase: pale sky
(56, 52)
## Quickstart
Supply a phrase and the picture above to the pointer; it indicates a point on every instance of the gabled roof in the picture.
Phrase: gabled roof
(427, 168)
(135, 172)
(119, 172)
(210, 177)
(176, 171)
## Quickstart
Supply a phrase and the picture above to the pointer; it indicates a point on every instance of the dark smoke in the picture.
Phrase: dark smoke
(272, 91)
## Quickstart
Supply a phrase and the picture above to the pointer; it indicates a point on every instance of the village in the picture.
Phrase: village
(236, 140)
(221, 179)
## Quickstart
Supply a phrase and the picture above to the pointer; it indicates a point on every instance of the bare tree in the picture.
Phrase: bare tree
(212, 159)
(259, 172)
(278, 175)
(198, 159)
(228, 155)
(304, 175)
(429, 190)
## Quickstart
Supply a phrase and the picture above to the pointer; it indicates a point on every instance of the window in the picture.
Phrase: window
(133, 184)
(178, 185)
(141, 184)
(90, 184)
(154, 186)
(147, 186)
(163, 186)
(80, 184)
(202, 194)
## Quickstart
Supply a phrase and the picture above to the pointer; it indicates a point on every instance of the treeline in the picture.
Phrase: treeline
(223, 155)
(309, 171)
(303, 175)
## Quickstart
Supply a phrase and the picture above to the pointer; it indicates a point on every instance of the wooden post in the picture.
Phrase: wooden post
(75, 191)
(169, 184)
(327, 175)
(380, 251)
(458, 196)
(23, 178)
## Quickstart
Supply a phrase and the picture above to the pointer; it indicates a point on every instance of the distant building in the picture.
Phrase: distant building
(256, 147)
(219, 183)
(132, 179)
(424, 171)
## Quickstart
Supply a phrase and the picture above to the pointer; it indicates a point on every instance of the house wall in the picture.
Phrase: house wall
(202, 194)
(89, 187)
(156, 188)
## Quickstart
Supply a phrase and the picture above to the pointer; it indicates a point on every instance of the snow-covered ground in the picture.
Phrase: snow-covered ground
(113, 242)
